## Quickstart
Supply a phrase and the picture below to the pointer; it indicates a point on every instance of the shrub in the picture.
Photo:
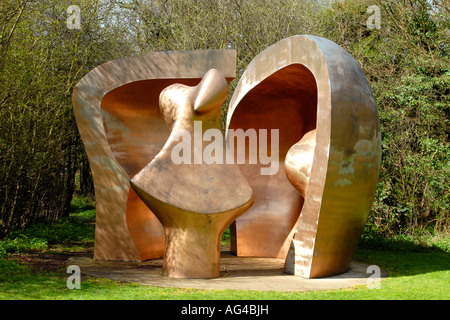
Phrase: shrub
(22, 243)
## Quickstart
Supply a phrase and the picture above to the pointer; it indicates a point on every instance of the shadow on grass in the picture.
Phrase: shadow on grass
(405, 256)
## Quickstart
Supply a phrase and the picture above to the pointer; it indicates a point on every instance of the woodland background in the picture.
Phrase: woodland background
(42, 160)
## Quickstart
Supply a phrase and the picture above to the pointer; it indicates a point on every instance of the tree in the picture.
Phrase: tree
(42, 60)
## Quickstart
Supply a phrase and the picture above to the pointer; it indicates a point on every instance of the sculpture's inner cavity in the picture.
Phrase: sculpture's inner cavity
(133, 122)
(287, 101)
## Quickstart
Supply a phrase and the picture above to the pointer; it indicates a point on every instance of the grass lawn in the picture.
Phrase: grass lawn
(32, 267)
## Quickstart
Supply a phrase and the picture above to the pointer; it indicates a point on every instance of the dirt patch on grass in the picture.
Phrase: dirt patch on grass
(47, 261)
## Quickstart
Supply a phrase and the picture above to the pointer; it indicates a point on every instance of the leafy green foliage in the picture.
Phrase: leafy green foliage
(21, 243)
(64, 230)
(78, 227)
(82, 205)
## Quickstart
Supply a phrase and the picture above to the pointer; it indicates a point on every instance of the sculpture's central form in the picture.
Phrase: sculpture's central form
(194, 202)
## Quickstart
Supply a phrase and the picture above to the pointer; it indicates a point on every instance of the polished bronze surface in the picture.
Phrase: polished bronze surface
(298, 162)
(313, 212)
(117, 111)
(194, 200)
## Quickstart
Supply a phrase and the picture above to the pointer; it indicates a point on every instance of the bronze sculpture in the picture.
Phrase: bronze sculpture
(311, 211)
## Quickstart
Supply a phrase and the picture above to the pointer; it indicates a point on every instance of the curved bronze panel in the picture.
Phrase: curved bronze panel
(344, 169)
(117, 112)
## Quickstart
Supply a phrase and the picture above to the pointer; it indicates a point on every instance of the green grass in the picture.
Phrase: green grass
(78, 228)
(421, 275)
(418, 270)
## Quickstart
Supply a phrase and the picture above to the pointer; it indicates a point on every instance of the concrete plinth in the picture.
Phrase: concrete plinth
(236, 273)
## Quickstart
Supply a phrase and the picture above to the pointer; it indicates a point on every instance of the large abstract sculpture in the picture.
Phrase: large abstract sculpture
(134, 112)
